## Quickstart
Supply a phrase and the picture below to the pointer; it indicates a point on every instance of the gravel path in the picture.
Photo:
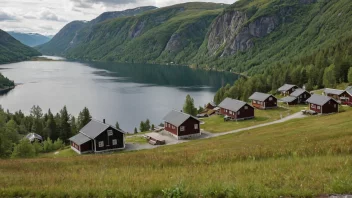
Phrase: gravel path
(170, 140)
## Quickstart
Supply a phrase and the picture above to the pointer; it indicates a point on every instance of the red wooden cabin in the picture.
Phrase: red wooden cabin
(263, 101)
(342, 96)
(323, 104)
(182, 125)
(236, 109)
(287, 89)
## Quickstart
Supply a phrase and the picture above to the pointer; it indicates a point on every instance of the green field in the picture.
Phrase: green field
(216, 124)
(136, 139)
(306, 157)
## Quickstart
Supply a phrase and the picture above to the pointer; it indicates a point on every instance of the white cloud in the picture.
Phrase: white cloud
(49, 16)
(6, 16)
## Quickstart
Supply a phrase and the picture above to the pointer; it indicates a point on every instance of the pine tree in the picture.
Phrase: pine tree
(74, 129)
(329, 78)
(51, 127)
(84, 118)
(350, 75)
(65, 127)
(142, 127)
(117, 125)
(188, 107)
(147, 125)
(135, 130)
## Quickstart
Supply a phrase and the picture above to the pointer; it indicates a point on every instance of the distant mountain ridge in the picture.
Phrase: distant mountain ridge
(67, 36)
(11, 50)
(29, 39)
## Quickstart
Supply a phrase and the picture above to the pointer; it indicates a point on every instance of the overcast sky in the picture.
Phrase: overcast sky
(49, 16)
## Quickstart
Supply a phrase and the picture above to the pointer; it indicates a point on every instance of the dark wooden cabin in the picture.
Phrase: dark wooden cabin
(98, 137)
(236, 109)
(323, 104)
(342, 96)
(287, 89)
(299, 96)
(263, 101)
(182, 125)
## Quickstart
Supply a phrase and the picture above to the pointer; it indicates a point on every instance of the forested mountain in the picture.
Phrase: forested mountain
(30, 39)
(11, 50)
(67, 36)
(273, 41)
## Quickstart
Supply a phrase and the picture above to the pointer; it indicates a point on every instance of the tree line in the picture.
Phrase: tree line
(324, 69)
(55, 129)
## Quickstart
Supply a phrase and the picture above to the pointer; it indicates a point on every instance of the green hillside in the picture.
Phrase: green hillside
(299, 158)
(171, 34)
(12, 50)
(67, 36)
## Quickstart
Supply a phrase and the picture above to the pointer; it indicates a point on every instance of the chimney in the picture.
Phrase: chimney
(104, 121)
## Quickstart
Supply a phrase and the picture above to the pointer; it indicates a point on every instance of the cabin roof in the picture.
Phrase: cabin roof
(33, 136)
(333, 91)
(232, 104)
(349, 90)
(298, 92)
(319, 99)
(288, 99)
(260, 96)
(286, 87)
(177, 118)
(79, 139)
(95, 128)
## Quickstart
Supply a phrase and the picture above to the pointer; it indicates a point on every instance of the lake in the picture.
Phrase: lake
(127, 93)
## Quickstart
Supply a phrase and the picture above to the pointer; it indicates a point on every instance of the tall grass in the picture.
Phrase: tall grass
(306, 157)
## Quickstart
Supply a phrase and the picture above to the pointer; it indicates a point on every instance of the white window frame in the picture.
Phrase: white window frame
(334, 105)
(101, 144)
(270, 98)
(245, 107)
(110, 132)
(195, 126)
(238, 112)
(182, 128)
(318, 107)
(114, 142)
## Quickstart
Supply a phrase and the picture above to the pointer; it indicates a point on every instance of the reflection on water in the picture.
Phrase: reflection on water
(127, 93)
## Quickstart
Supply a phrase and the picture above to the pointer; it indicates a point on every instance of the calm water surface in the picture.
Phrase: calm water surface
(127, 93)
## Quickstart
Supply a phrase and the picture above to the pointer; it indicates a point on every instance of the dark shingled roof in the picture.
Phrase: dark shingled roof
(286, 87)
(91, 131)
(79, 139)
(333, 91)
(319, 99)
(177, 118)
(95, 128)
(260, 96)
(288, 99)
(298, 92)
(232, 104)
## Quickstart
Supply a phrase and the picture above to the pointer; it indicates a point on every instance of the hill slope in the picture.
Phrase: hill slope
(30, 39)
(168, 34)
(11, 50)
(66, 38)
(299, 158)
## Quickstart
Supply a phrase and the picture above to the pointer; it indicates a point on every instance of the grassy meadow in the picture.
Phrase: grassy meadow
(216, 124)
(305, 157)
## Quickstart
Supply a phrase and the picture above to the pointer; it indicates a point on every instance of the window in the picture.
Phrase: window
(101, 144)
(254, 101)
(182, 128)
(334, 105)
(271, 99)
(318, 107)
(196, 126)
(114, 142)
(110, 133)
(246, 107)
(305, 95)
(238, 113)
